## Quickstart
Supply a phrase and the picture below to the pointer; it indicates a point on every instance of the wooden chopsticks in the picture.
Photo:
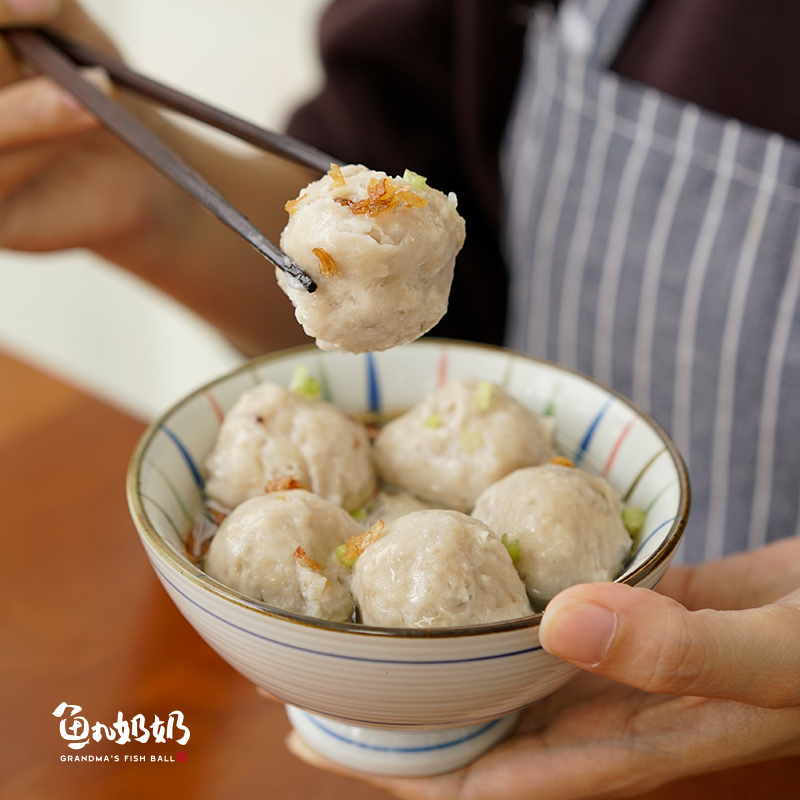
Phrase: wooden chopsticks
(60, 58)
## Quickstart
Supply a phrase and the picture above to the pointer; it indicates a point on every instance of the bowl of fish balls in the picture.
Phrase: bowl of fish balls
(371, 538)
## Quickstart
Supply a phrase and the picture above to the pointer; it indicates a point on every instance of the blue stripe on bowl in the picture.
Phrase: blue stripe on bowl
(187, 456)
(373, 385)
(385, 749)
(339, 656)
(590, 431)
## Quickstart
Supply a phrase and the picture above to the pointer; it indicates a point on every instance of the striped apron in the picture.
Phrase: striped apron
(656, 246)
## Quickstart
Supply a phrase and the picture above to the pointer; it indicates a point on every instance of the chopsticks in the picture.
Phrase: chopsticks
(59, 58)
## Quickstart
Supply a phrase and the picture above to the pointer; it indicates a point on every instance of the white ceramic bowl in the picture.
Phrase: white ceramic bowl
(388, 700)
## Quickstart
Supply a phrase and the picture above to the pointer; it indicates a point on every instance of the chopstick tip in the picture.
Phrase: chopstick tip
(298, 278)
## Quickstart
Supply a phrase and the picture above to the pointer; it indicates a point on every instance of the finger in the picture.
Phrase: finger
(80, 198)
(583, 689)
(37, 110)
(744, 580)
(267, 696)
(28, 12)
(71, 20)
(14, 13)
(64, 16)
(643, 639)
(23, 165)
(65, 211)
(9, 66)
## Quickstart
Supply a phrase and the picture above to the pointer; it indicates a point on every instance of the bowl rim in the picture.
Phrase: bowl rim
(205, 582)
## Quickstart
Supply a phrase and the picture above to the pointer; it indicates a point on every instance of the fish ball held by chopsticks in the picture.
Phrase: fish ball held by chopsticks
(382, 252)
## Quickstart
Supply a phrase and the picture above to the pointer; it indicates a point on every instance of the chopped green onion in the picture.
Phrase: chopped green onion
(341, 554)
(470, 441)
(512, 547)
(416, 180)
(633, 519)
(304, 384)
(365, 512)
(483, 395)
(432, 421)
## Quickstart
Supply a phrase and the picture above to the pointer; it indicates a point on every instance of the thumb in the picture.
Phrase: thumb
(643, 639)
(72, 20)
(28, 12)
(65, 16)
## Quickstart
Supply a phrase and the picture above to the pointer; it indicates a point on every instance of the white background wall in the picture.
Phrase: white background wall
(89, 322)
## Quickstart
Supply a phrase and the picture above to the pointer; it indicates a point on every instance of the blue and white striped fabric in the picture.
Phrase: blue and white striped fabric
(656, 246)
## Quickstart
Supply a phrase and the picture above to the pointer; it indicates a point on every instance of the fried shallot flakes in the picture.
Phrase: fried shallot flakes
(382, 252)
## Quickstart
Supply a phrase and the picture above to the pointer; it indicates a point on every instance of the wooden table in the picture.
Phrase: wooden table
(84, 622)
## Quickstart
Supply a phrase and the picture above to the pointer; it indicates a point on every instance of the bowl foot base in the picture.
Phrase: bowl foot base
(389, 751)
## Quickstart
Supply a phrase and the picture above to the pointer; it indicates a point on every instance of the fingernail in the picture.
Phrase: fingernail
(578, 632)
(32, 8)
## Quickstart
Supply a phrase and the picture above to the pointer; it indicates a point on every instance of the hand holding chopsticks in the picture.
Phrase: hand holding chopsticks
(60, 58)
